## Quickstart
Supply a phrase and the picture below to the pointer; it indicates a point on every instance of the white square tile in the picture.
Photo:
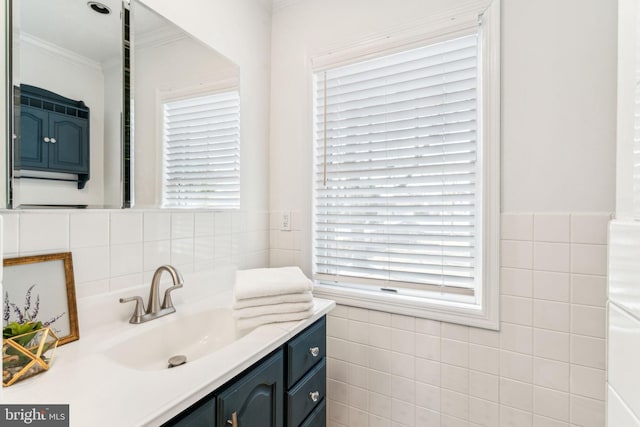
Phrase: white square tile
(551, 286)
(223, 223)
(588, 351)
(512, 417)
(484, 412)
(337, 348)
(358, 398)
(454, 378)
(380, 336)
(516, 254)
(222, 246)
(359, 314)
(407, 323)
(380, 359)
(379, 381)
(358, 376)
(40, 232)
(485, 337)
(551, 345)
(516, 394)
(379, 404)
(182, 225)
(182, 251)
(90, 289)
(484, 359)
(156, 253)
(428, 371)
(551, 374)
(551, 403)
(428, 396)
(516, 310)
(124, 282)
(587, 412)
(360, 354)
(427, 346)
(204, 224)
(451, 421)
(589, 290)
(589, 228)
(404, 389)
(589, 259)
(91, 264)
(425, 326)
(337, 327)
(516, 226)
(337, 369)
(552, 256)
(588, 382)
(403, 365)
(157, 226)
(337, 390)
(88, 229)
(516, 366)
(552, 315)
(540, 421)
(590, 321)
(125, 227)
(10, 233)
(403, 413)
(548, 227)
(453, 403)
(485, 386)
(516, 281)
(424, 417)
(403, 341)
(516, 338)
(126, 259)
(455, 332)
(358, 332)
(204, 252)
(454, 352)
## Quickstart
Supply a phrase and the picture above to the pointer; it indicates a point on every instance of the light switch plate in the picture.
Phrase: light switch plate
(285, 221)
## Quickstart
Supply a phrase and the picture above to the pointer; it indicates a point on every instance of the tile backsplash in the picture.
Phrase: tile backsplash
(545, 367)
(116, 249)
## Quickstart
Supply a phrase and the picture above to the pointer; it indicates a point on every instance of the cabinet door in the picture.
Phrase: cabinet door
(70, 151)
(202, 414)
(34, 126)
(256, 398)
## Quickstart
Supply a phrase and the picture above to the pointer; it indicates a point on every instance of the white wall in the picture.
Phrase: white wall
(153, 72)
(241, 31)
(558, 97)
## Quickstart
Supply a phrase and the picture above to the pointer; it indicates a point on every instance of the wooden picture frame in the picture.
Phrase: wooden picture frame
(42, 287)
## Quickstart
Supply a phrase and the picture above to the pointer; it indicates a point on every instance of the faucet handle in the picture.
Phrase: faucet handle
(166, 302)
(136, 317)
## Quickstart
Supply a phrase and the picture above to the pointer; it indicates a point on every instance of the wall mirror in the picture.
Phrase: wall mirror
(69, 123)
(170, 66)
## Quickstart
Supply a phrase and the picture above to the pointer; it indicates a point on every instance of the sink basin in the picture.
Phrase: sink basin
(193, 336)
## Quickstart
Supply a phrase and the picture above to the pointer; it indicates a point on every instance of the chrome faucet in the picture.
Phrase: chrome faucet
(154, 308)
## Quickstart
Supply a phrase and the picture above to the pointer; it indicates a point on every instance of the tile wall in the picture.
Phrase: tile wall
(116, 249)
(546, 366)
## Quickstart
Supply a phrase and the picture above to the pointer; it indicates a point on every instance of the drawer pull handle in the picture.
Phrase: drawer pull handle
(234, 420)
(314, 351)
(53, 140)
(47, 139)
(314, 395)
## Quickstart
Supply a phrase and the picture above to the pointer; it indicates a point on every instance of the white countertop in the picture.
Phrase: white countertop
(103, 392)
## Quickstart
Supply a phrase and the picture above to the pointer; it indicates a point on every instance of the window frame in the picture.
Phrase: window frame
(485, 311)
(164, 95)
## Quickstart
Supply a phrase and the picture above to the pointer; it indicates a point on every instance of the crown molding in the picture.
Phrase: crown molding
(59, 51)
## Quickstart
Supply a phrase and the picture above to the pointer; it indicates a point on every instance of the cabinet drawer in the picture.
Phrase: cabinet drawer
(306, 395)
(318, 417)
(305, 350)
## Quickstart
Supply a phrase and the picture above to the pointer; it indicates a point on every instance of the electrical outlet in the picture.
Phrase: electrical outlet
(285, 221)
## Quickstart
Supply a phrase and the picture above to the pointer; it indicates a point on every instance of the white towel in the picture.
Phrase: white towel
(276, 299)
(293, 307)
(266, 282)
(253, 322)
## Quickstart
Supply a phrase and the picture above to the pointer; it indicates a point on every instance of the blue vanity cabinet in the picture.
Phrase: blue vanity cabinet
(286, 388)
(255, 400)
(54, 134)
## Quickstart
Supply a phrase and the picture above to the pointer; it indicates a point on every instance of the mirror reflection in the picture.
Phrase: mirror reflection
(68, 80)
(187, 132)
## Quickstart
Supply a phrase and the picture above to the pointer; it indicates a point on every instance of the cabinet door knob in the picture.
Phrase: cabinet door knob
(53, 140)
(47, 139)
(234, 420)
(314, 351)
(314, 395)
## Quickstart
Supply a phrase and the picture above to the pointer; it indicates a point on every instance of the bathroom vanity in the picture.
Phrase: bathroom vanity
(117, 374)
(286, 388)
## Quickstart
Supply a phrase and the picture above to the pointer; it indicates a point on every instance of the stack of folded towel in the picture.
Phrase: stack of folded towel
(268, 295)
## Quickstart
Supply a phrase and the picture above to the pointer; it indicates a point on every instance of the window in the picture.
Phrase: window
(405, 181)
(201, 160)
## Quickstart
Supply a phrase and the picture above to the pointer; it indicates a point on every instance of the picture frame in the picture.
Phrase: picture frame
(42, 288)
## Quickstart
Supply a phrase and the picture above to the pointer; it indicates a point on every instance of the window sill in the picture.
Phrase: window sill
(446, 311)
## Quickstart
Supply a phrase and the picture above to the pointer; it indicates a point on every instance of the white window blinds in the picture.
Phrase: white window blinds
(202, 152)
(397, 200)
